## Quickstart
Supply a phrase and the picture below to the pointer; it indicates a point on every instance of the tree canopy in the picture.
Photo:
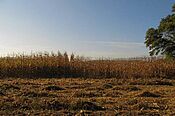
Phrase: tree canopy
(161, 40)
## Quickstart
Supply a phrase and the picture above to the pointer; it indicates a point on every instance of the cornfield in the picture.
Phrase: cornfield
(60, 65)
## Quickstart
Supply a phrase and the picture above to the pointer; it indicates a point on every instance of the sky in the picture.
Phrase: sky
(92, 28)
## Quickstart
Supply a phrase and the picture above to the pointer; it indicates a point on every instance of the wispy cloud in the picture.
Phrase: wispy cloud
(113, 49)
(116, 44)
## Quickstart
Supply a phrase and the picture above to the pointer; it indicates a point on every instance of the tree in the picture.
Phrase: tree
(161, 40)
(173, 8)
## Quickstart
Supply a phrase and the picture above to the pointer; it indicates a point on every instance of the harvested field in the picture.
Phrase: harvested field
(94, 97)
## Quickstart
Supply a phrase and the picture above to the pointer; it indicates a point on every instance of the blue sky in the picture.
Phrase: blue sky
(96, 28)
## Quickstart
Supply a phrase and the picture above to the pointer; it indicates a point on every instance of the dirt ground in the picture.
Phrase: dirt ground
(87, 97)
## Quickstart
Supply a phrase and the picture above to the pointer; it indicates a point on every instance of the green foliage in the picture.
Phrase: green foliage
(173, 8)
(161, 40)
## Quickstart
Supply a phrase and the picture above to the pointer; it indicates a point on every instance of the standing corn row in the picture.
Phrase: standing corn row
(58, 65)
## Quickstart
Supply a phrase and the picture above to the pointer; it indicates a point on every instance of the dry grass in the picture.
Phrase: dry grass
(51, 84)
(58, 65)
(70, 96)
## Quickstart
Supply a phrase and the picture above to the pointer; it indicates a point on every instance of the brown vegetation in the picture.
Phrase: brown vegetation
(32, 97)
(51, 84)
(58, 65)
